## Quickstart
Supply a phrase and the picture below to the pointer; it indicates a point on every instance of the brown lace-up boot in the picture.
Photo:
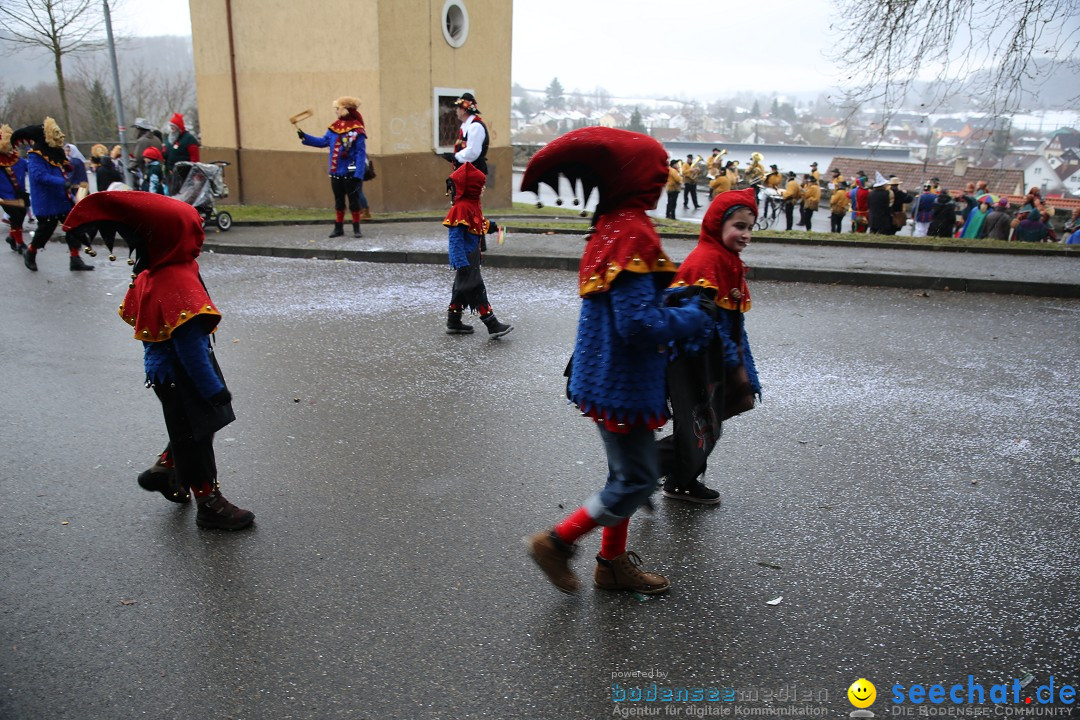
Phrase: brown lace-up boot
(623, 572)
(552, 555)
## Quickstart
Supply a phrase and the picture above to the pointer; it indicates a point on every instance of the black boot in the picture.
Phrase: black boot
(495, 328)
(339, 230)
(454, 326)
(77, 264)
(218, 513)
(158, 478)
(356, 230)
(13, 244)
(30, 260)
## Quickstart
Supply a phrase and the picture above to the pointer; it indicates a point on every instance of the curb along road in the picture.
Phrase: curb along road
(778, 272)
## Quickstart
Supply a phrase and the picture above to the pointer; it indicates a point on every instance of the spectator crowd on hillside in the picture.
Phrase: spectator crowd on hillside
(879, 205)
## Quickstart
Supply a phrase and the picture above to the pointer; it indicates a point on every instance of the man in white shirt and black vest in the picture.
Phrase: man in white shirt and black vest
(472, 142)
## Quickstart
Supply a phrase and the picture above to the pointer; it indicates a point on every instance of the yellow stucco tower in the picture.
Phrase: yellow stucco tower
(258, 62)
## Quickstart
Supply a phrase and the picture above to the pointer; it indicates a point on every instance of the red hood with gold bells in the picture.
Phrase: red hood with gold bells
(629, 170)
(166, 236)
(711, 265)
(468, 183)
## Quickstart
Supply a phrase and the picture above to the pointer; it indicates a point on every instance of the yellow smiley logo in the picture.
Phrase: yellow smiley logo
(862, 693)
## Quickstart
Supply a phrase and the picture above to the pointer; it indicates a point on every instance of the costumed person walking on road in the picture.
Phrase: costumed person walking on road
(466, 228)
(168, 305)
(347, 140)
(52, 189)
(13, 196)
(713, 381)
(616, 375)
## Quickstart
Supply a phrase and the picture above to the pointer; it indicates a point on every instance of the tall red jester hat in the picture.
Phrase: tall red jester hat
(629, 171)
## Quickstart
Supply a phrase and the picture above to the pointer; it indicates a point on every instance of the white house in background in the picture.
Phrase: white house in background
(517, 119)
(1038, 172)
(1061, 141)
(658, 120)
(1070, 178)
(679, 122)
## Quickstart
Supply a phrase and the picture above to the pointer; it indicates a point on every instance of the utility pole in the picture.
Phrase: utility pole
(120, 124)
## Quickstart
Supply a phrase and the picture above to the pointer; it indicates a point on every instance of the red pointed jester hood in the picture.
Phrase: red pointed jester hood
(468, 183)
(711, 265)
(166, 236)
(629, 171)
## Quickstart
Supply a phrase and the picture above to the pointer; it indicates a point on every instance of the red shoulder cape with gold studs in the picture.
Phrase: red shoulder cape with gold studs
(169, 292)
(623, 240)
(466, 210)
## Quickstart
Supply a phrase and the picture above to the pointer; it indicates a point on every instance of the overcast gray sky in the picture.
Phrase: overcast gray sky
(693, 48)
(689, 48)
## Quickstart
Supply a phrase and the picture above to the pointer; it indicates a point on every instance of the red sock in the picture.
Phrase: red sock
(74, 252)
(613, 540)
(339, 216)
(202, 490)
(355, 216)
(575, 525)
(165, 459)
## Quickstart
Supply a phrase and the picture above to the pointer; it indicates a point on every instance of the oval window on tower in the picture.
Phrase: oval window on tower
(455, 23)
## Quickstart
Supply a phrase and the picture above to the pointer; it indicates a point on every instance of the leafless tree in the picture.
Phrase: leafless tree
(988, 49)
(63, 27)
(28, 106)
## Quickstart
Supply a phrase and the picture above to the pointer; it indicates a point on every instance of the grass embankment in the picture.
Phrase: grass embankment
(559, 218)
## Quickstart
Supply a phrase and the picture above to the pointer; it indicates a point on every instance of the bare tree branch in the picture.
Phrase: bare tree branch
(987, 49)
(62, 27)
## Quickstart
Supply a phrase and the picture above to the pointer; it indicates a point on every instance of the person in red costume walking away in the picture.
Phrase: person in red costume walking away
(467, 227)
(168, 305)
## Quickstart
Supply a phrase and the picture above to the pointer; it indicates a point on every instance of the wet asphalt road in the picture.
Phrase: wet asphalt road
(908, 487)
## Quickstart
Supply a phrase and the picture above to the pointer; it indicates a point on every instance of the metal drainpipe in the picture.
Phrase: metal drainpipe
(236, 104)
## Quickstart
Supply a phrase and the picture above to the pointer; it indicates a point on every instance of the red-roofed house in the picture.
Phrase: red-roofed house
(952, 177)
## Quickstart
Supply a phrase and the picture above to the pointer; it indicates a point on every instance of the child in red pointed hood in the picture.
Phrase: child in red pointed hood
(466, 228)
(709, 384)
(617, 370)
(173, 315)
(153, 179)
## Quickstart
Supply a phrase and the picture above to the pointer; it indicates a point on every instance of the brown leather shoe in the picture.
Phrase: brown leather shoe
(623, 572)
(553, 557)
(218, 513)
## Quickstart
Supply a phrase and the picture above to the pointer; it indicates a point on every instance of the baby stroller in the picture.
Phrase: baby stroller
(199, 184)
